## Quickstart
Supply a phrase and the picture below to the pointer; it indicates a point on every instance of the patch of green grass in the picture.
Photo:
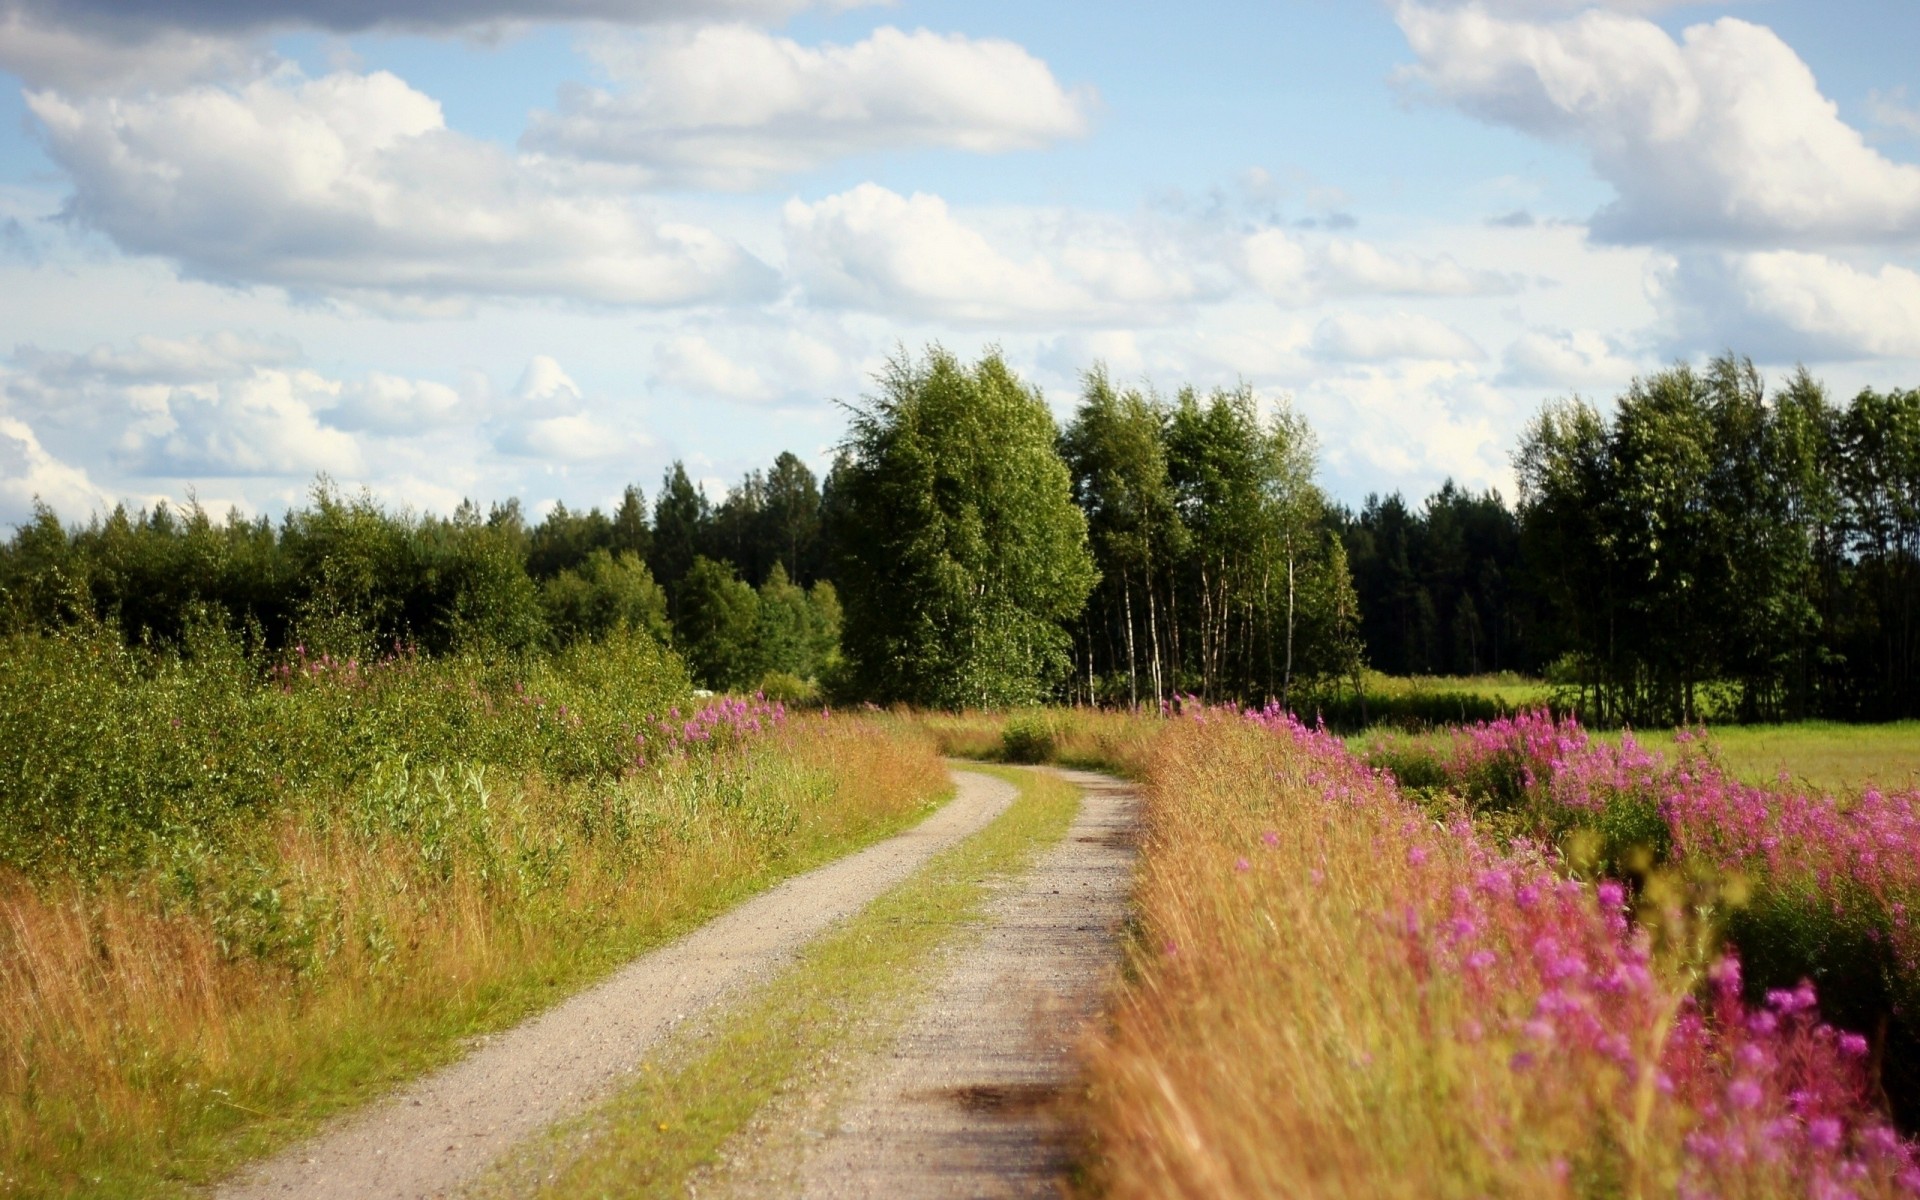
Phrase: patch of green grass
(1511, 689)
(1822, 756)
(675, 1118)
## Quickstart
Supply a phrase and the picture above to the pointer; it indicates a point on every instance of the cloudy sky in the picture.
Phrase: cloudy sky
(493, 248)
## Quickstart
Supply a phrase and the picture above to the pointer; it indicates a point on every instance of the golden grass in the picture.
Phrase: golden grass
(155, 1033)
(1090, 738)
(1283, 1034)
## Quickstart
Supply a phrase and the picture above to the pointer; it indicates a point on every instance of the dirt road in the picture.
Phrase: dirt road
(967, 1101)
(444, 1129)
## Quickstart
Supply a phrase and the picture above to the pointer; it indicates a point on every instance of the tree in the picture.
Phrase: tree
(717, 626)
(1116, 451)
(959, 549)
(607, 592)
(793, 518)
(680, 518)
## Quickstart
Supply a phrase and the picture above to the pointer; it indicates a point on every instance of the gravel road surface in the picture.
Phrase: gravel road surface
(967, 1102)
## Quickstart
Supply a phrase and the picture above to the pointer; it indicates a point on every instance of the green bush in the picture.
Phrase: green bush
(1028, 738)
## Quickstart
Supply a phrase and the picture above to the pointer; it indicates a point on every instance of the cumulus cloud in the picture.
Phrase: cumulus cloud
(1413, 423)
(1891, 111)
(353, 185)
(874, 249)
(548, 417)
(348, 16)
(753, 365)
(1359, 337)
(1299, 272)
(1722, 135)
(28, 474)
(545, 387)
(148, 359)
(575, 438)
(1569, 359)
(392, 404)
(730, 106)
(1794, 304)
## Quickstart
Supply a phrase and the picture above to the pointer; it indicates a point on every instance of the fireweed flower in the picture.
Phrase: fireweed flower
(1567, 992)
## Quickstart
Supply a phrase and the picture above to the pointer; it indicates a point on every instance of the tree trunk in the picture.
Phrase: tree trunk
(1133, 662)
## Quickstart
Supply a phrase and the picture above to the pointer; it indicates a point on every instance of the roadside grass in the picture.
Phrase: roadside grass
(1333, 995)
(842, 993)
(165, 1028)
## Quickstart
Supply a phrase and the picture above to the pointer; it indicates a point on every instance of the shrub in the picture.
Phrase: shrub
(1028, 738)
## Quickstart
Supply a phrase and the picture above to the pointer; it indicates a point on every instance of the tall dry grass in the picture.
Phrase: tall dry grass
(156, 1029)
(1096, 739)
(1333, 996)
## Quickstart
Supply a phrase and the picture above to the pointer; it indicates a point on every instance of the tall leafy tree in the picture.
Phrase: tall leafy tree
(717, 626)
(960, 552)
(1116, 451)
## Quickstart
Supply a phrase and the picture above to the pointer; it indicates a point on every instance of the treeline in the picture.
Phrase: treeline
(735, 586)
(1710, 545)
(1707, 549)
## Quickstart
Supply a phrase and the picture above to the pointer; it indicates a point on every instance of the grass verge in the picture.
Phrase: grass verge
(677, 1115)
(155, 1039)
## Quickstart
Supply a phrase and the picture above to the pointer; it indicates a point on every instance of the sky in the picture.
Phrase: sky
(447, 249)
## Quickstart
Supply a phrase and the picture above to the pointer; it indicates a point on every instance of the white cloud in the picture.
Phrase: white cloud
(755, 365)
(123, 46)
(1358, 337)
(85, 58)
(873, 249)
(1299, 272)
(29, 474)
(729, 106)
(352, 184)
(151, 359)
(1792, 304)
(1412, 424)
(1892, 112)
(1577, 358)
(576, 438)
(266, 423)
(219, 406)
(1720, 136)
(546, 387)
(391, 404)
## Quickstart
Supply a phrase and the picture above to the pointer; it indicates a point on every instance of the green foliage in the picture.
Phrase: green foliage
(604, 593)
(107, 753)
(960, 551)
(1709, 537)
(717, 625)
(1217, 576)
(1028, 738)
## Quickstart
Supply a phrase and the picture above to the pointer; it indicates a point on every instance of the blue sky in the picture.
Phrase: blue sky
(474, 250)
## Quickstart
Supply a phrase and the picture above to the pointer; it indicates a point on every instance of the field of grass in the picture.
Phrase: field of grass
(431, 851)
(1822, 756)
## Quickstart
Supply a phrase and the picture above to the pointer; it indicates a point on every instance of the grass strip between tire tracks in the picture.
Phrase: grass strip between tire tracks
(676, 1116)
